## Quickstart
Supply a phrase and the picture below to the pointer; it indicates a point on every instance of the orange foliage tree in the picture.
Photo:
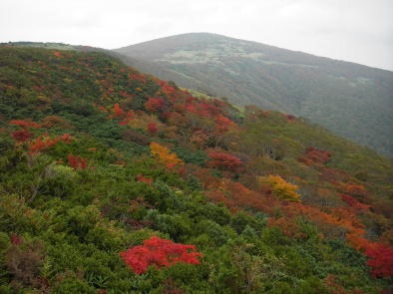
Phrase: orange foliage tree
(44, 142)
(164, 156)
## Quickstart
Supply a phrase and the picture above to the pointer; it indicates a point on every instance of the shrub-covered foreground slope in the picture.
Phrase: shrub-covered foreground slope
(113, 181)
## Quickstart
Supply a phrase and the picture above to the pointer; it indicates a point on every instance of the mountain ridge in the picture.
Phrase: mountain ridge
(352, 100)
(207, 34)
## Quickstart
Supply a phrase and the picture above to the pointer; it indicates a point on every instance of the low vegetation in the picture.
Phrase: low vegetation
(112, 181)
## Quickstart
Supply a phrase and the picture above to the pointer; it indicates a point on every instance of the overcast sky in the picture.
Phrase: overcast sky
(360, 31)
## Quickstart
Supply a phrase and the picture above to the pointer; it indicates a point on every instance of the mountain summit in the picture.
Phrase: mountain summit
(352, 100)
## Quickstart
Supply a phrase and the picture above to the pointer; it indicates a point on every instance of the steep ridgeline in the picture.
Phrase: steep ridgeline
(351, 100)
(112, 181)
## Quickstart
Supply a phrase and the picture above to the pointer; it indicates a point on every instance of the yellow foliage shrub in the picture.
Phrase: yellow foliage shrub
(281, 188)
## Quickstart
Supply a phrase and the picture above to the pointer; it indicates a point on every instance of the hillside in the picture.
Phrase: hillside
(351, 100)
(112, 181)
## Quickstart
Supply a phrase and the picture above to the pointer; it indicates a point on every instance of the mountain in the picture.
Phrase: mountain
(113, 181)
(352, 100)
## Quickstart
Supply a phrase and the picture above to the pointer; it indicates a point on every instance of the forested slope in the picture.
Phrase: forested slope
(349, 99)
(112, 181)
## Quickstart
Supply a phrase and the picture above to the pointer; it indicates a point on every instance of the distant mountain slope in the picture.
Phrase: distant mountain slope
(351, 100)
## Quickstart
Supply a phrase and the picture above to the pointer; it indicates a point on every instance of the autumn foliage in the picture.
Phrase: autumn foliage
(77, 162)
(152, 128)
(237, 195)
(142, 178)
(154, 104)
(281, 188)
(159, 253)
(21, 135)
(354, 203)
(224, 161)
(380, 260)
(164, 156)
(118, 113)
(315, 156)
(44, 142)
(25, 124)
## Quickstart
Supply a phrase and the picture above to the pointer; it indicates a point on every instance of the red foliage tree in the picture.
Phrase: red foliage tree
(354, 203)
(21, 135)
(223, 124)
(152, 128)
(224, 161)
(381, 260)
(154, 104)
(315, 156)
(166, 88)
(77, 162)
(118, 111)
(159, 253)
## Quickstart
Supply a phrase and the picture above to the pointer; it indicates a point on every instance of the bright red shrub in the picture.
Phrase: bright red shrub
(118, 112)
(159, 253)
(381, 260)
